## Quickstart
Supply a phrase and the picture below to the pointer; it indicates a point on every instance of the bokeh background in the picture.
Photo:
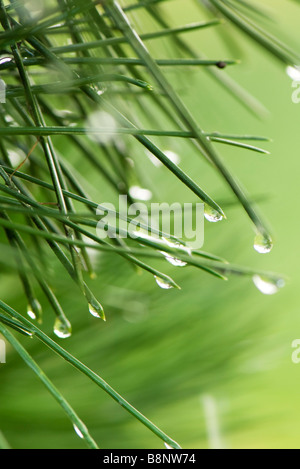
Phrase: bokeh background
(209, 364)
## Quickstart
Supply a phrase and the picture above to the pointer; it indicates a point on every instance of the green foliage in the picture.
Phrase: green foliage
(61, 66)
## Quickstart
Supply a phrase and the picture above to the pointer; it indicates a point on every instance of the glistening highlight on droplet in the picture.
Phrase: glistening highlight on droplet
(174, 157)
(62, 328)
(139, 193)
(97, 311)
(211, 214)
(267, 286)
(162, 283)
(34, 310)
(293, 72)
(78, 432)
(173, 260)
(103, 127)
(30, 313)
(168, 446)
(263, 243)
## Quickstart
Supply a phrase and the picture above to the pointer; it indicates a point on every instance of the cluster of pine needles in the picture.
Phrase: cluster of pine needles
(88, 54)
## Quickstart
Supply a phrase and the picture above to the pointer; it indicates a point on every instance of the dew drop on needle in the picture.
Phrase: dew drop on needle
(139, 193)
(30, 313)
(34, 310)
(162, 283)
(173, 260)
(168, 446)
(93, 312)
(212, 215)
(266, 285)
(293, 72)
(97, 311)
(77, 431)
(62, 329)
(263, 243)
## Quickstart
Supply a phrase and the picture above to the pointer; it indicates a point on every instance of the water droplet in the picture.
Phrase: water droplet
(153, 159)
(130, 162)
(9, 119)
(139, 193)
(173, 260)
(16, 157)
(104, 127)
(162, 283)
(96, 310)
(293, 72)
(93, 312)
(100, 90)
(263, 243)
(34, 310)
(62, 328)
(78, 432)
(172, 156)
(267, 285)
(168, 446)
(211, 214)
(31, 313)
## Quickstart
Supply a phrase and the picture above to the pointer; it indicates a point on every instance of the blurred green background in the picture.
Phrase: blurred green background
(210, 364)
